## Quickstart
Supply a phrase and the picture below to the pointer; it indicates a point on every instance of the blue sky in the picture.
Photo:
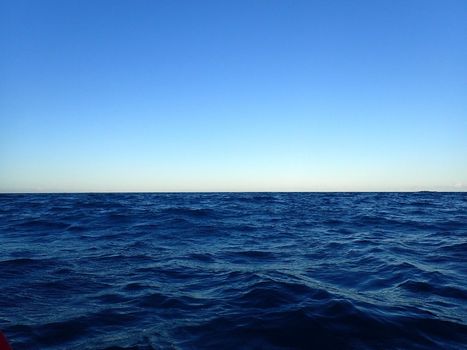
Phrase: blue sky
(237, 95)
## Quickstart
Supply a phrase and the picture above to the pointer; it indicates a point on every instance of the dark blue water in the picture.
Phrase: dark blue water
(234, 271)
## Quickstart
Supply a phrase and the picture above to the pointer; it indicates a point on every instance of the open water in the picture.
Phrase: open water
(234, 271)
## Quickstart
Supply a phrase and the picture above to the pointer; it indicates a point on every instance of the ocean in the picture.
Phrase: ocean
(234, 271)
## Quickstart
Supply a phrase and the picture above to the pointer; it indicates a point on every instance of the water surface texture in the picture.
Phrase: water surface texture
(234, 271)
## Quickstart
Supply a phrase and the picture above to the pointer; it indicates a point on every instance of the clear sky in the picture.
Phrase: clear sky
(233, 95)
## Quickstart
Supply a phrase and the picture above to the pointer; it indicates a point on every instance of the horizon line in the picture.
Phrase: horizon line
(187, 192)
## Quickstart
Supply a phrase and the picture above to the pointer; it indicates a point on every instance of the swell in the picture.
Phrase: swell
(230, 271)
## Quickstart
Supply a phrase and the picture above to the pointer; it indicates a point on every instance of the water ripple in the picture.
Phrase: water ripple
(234, 271)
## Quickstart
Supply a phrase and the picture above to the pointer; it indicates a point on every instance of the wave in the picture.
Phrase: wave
(234, 271)
(189, 212)
(422, 287)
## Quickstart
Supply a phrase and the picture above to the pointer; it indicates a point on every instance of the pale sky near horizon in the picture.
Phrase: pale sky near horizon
(241, 95)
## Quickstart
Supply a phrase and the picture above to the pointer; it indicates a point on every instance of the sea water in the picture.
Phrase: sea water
(234, 271)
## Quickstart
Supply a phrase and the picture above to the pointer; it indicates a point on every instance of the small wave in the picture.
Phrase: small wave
(61, 332)
(338, 324)
(160, 301)
(22, 265)
(190, 212)
(425, 287)
(457, 247)
(250, 256)
(40, 224)
(203, 257)
(271, 294)
(112, 298)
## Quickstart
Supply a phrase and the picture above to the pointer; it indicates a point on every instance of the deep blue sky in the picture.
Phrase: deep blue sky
(233, 95)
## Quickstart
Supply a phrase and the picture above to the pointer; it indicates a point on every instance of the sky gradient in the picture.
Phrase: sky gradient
(243, 95)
